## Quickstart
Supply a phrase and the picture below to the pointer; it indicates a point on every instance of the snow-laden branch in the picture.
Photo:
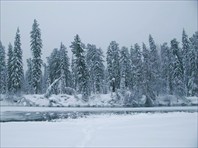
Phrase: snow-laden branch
(49, 89)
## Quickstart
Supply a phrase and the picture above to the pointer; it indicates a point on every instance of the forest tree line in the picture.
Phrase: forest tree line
(150, 71)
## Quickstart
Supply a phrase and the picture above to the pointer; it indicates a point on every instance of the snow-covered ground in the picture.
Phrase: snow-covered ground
(175, 129)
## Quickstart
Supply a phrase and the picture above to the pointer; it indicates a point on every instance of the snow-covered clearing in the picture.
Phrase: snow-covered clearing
(178, 129)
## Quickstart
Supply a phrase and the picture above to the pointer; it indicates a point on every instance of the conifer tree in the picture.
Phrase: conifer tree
(186, 62)
(193, 70)
(113, 65)
(148, 91)
(94, 58)
(155, 64)
(54, 69)
(125, 66)
(45, 82)
(74, 73)
(178, 81)
(9, 68)
(146, 70)
(36, 46)
(17, 66)
(131, 82)
(167, 68)
(2, 69)
(137, 67)
(64, 67)
(81, 68)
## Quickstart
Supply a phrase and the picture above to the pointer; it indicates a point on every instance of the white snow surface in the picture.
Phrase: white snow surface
(178, 129)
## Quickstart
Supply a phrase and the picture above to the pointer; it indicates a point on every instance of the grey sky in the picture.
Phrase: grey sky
(97, 22)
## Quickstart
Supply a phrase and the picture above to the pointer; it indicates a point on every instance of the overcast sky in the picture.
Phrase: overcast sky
(98, 22)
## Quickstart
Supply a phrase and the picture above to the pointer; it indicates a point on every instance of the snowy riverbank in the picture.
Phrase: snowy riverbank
(95, 100)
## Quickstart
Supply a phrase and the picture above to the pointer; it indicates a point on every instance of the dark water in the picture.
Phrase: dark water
(17, 116)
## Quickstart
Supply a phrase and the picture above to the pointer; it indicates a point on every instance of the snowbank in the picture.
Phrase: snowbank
(193, 100)
(95, 100)
(171, 100)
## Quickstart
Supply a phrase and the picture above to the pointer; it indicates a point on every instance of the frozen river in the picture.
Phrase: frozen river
(10, 113)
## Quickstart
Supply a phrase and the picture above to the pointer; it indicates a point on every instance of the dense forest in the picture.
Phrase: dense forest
(171, 68)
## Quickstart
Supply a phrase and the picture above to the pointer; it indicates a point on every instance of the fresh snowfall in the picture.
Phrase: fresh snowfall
(138, 96)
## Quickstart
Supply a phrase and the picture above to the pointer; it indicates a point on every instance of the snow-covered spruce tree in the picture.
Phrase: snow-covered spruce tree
(131, 82)
(193, 59)
(186, 62)
(167, 69)
(113, 65)
(45, 82)
(178, 76)
(2, 69)
(147, 74)
(137, 67)
(164, 67)
(9, 68)
(54, 69)
(89, 60)
(98, 69)
(94, 58)
(36, 46)
(28, 77)
(17, 66)
(81, 68)
(136, 72)
(155, 64)
(125, 66)
(74, 73)
(64, 68)
(146, 70)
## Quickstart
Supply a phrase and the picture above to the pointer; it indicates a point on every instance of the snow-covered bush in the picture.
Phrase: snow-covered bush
(70, 91)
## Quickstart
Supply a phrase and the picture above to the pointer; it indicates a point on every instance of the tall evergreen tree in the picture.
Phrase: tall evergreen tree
(167, 68)
(17, 66)
(148, 91)
(2, 69)
(193, 70)
(186, 62)
(146, 69)
(54, 68)
(131, 82)
(64, 67)
(113, 64)
(155, 64)
(137, 66)
(81, 67)
(9, 68)
(36, 46)
(178, 81)
(94, 58)
(125, 66)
